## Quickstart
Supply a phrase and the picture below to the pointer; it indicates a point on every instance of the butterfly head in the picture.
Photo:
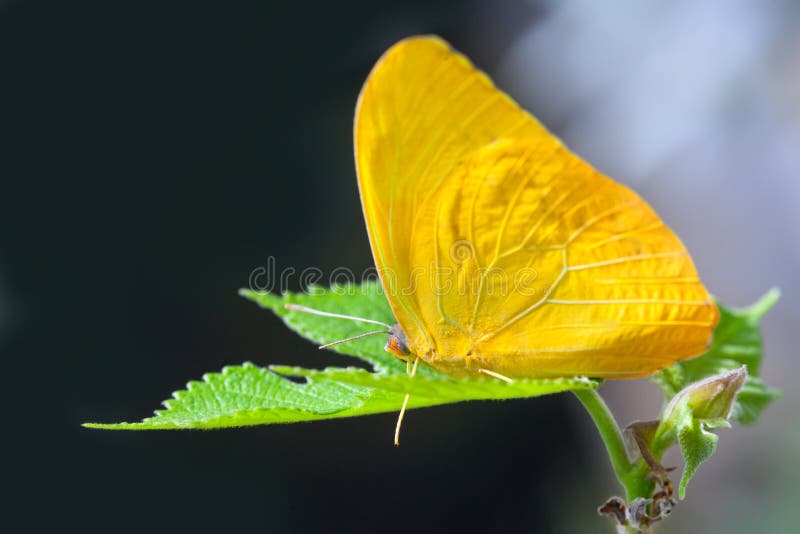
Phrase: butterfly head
(397, 343)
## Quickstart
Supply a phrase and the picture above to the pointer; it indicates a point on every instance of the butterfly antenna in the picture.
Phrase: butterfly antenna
(414, 369)
(305, 309)
(326, 345)
(411, 372)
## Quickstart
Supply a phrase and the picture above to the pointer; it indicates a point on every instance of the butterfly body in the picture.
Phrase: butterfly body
(498, 248)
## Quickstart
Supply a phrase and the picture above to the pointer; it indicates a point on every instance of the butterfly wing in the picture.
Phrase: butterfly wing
(500, 249)
(422, 109)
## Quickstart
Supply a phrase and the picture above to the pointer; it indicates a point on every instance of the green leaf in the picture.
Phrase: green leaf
(693, 412)
(721, 385)
(737, 342)
(697, 445)
(365, 300)
(250, 395)
(753, 399)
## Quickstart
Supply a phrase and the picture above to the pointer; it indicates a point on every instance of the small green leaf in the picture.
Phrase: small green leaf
(365, 300)
(697, 445)
(693, 412)
(737, 342)
(753, 399)
(710, 398)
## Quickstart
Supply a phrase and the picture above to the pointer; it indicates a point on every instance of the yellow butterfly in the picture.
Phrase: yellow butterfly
(502, 252)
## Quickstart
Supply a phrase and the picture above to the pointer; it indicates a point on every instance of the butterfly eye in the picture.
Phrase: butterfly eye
(397, 343)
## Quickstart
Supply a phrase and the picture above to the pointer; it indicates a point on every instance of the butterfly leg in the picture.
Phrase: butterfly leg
(411, 370)
(400, 420)
(496, 375)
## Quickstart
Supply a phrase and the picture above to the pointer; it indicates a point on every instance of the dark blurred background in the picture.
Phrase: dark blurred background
(155, 153)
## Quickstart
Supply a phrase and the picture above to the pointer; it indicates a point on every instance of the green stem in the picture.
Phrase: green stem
(632, 476)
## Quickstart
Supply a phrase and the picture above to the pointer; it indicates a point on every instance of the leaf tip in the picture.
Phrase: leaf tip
(263, 299)
(682, 488)
(764, 304)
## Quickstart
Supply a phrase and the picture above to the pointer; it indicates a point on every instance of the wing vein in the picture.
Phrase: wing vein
(534, 306)
(626, 259)
(631, 301)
